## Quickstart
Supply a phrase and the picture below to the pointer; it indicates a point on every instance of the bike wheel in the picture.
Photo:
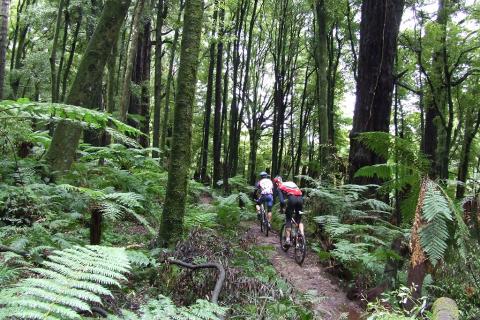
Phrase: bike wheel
(283, 238)
(265, 224)
(261, 220)
(300, 249)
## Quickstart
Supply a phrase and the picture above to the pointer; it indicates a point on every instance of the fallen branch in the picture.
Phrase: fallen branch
(219, 267)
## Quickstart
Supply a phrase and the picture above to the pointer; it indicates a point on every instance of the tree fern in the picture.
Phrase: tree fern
(69, 281)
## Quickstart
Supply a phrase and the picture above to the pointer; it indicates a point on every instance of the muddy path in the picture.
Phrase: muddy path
(329, 301)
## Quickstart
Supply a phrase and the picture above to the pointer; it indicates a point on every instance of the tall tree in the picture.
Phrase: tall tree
(139, 103)
(321, 92)
(53, 53)
(380, 22)
(217, 114)
(134, 35)
(66, 137)
(161, 15)
(174, 209)
(209, 98)
(168, 86)
(5, 11)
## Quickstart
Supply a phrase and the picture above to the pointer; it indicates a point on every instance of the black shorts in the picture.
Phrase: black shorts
(294, 206)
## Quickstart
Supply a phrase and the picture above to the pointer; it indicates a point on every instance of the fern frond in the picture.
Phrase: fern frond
(70, 280)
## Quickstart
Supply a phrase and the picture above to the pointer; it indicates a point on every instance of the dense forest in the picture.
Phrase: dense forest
(133, 132)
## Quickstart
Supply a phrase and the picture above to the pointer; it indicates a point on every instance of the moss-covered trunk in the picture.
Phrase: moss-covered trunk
(174, 210)
(5, 9)
(66, 137)
(321, 94)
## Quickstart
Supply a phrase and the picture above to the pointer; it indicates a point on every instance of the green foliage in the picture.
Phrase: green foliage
(164, 308)
(69, 281)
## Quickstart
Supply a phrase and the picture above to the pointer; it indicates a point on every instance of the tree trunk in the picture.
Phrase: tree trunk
(111, 78)
(166, 111)
(126, 92)
(471, 130)
(233, 144)
(66, 137)
(71, 55)
(5, 11)
(53, 54)
(208, 101)
(64, 49)
(161, 14)
(174, 209)
(217, 117)
(378, 42)
(140, 103)
(322, 84)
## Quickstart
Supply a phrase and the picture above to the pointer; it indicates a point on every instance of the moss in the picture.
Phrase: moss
(445, 309)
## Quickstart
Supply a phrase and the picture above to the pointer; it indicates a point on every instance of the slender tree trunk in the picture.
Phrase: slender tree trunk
(208, 100)
(4, 14)
(18, 52)
(233, 144)
(166, 111)
(111, 78)
(378, 41)
(174, 210)
(224, 125)
(126, 92)
(217, 117)
(66, 137)
(53, 53)
(140, 103)
(321, 61)
(64, 49)
(471, 129)
(161, 14)
(71, 55)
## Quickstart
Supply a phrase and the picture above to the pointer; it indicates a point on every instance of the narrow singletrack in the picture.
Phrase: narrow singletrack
(329, 301)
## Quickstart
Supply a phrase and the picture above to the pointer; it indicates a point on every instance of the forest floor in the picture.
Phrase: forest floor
(329, 300)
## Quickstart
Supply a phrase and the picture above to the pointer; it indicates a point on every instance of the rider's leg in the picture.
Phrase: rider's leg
(288, 223)
(269, 205)
(298, 218)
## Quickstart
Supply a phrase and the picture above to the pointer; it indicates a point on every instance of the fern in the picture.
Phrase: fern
(68, 282)
(437, 213)
(163, 308)
(87, 118)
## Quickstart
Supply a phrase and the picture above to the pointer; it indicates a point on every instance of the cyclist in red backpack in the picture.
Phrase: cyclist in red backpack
(290, 197)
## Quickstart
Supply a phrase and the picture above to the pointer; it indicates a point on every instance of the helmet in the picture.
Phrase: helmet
(263, 174)
(277, 179)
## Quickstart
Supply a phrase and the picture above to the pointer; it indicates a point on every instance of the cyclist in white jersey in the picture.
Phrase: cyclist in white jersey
(264, 192)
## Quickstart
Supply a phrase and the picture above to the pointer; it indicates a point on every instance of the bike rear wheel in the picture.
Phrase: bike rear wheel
(300, 249)
(283, 238)
(265, 224)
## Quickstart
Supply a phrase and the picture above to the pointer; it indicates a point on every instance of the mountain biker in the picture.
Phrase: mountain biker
(264, 187)
(290, 196)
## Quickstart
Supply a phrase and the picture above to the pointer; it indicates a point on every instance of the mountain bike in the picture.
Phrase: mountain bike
(297, 241)
(263, 221)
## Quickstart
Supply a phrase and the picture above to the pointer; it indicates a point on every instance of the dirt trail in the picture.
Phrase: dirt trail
(330, 302)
